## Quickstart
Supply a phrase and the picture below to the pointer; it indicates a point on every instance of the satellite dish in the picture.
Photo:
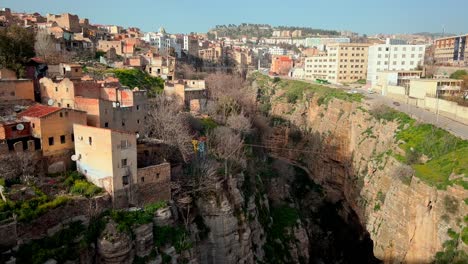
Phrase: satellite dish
(17, 108)
(137, 135)
(20, 127)
(51, 102)
(76, 157)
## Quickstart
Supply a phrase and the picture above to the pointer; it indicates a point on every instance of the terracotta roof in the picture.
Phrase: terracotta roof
(39, 111)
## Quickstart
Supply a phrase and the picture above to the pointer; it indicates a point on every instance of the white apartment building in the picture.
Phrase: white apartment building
(388, 57)
(277, 51)
(163, 41)
(320, 42)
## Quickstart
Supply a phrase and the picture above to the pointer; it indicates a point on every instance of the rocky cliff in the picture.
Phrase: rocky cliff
(408, 219)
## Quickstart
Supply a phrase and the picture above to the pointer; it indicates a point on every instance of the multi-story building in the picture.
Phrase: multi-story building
(452, 50)
(390, 57)
(160, 66)
(163, 42)
(281, 65)
(106, 45)
(277, 51)
(320, 42)
(213, 54)
(343, 63)
(108, 158)
(53, 126)
(68, 21)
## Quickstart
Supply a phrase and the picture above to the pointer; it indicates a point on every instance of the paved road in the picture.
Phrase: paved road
(420, 114)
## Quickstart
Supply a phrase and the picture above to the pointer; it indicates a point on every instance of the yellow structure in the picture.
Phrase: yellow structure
(53, 126)
(423, 88)
(108, 158)
(395, 82)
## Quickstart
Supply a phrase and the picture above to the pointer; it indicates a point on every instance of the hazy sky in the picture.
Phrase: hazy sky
(184, 16)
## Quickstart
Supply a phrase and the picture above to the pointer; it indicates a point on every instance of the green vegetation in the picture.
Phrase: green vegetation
(208, 124)
(61, 246)
(99, 54)
(168, 235)
(445, 152)
(135, 78)
(282, 217)
(78, 185)
(459, 74)
(362, 81)
(16, 48)
(127, 219)
(28, 210)
(451, 255)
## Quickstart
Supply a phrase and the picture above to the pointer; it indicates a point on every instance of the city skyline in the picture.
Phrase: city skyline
(369, 17)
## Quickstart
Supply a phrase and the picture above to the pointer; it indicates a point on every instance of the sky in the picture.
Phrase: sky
(185, 16)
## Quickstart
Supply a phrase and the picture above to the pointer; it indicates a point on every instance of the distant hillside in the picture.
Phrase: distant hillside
(263, 30)
(434, 35)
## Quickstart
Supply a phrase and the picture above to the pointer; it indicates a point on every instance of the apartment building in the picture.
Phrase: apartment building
(108, 158)
(391, 57)
(452, 50)
(342, 63)
(106, 45)
(281, 65)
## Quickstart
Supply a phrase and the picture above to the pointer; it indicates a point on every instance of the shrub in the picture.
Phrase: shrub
(82, 187)
(276, 79)
(404, 173)
(136, 78)
(459, 74)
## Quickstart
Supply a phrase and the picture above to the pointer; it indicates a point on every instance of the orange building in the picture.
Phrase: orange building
(53, 126)
(281, 65)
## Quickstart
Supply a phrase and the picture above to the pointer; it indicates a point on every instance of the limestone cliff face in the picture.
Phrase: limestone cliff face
(405, 217)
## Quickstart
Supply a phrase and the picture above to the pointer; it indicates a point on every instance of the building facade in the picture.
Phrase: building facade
(342, 63)
(452, 51)
(388, 57)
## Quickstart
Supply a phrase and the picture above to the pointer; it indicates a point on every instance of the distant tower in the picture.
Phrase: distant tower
(162, 30)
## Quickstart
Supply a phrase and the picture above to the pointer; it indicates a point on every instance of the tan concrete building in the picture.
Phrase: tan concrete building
(108, 159)
(451, 50)
(106, 45)
(189, 92)
(160, 66)
(16, 89)
(53, 126)
(434, 88)
(68, 21)
(107, 104)
(395, 82)
(343, 63)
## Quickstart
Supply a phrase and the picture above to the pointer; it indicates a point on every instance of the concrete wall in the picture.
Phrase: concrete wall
(154, 183)
(16, 89)
(56, 125)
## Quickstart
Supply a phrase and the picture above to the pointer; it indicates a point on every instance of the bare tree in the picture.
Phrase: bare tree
(46, 49)
(239, 123)
(231, 93)
(226, 145)
(166, 122)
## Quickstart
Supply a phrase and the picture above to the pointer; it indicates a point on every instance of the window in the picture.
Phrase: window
(123, 124)
(125, 180)
(124, 144)
(138, 107)
(72, 137)
(90, 141)
(124, 163)
(60, 105)
(142, 179)
(12, 93)
(68, 105)
(138, 121)
(106, 124)
(51, 141)
(62, 139)
(56, 89)
(33, 125)
(157, 175)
